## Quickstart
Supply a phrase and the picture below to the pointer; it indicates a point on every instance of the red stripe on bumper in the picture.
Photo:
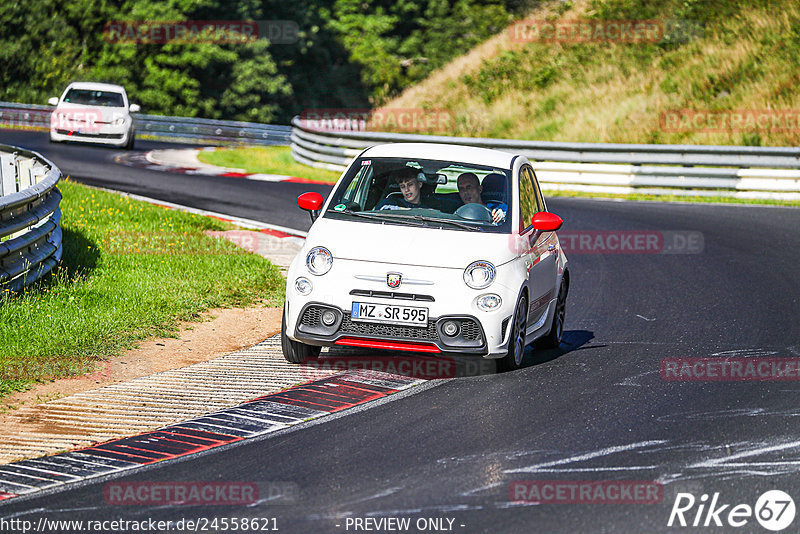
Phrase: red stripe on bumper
(390, 345)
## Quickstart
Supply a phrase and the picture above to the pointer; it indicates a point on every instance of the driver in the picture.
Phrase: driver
(408, 179)
(470, 189)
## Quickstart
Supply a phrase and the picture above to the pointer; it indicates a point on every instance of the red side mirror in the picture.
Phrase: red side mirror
(310, 201)
(546, 221)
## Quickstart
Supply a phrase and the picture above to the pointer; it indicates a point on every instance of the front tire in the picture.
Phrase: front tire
(516, 343)
(294, 351)
(552, 339)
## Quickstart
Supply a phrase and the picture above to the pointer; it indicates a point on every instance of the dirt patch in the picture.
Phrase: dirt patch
(224, 331)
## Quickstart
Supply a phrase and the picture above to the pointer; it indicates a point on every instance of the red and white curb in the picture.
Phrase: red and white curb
(260, 416)
(184, 161)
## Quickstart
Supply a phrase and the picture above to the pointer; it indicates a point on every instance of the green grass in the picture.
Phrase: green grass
(267, 160)
(131, 271)
(717, 57)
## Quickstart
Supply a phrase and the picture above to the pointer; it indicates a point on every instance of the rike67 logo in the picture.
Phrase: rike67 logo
(774, 510)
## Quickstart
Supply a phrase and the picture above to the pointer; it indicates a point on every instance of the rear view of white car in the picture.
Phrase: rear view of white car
(93, 113)
(429, 248)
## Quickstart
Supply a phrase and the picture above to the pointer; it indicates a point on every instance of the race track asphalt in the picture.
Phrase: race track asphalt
(597, 409)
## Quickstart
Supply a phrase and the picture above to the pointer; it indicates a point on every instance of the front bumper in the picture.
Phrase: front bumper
(108, 135)
(470, 338)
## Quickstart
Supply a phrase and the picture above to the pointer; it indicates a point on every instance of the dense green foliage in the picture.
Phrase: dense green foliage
(352, 53)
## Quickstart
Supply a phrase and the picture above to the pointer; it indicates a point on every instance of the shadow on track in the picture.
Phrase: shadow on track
(572, 340)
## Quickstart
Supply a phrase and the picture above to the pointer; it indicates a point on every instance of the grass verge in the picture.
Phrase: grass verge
(130, 271)
(267, 160)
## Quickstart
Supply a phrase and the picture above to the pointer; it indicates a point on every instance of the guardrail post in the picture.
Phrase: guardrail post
(8, 175)
(24, 178)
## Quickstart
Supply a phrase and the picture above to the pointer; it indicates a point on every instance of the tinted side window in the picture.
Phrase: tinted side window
(528, 199)
(539, 195)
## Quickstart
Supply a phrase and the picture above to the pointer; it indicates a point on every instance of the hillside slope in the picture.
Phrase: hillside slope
(723, 73)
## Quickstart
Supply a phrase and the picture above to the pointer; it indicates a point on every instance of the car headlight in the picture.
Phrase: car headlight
(479, 275)
(319, 261)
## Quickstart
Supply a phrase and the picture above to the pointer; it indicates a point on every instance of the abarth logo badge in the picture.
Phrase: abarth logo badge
(393, 280)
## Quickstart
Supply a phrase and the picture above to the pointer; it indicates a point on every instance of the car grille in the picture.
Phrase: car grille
(470, 330)
(389, 330)
(312, 316)
(391, 295)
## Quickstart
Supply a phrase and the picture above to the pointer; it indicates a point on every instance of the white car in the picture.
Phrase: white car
(94, 113)
(396, 260)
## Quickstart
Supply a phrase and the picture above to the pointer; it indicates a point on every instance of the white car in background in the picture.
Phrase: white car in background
(93, 113)
(435, 275)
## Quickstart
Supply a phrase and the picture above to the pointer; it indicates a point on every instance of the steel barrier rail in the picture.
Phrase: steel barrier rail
(176, 129)
(636, 154)
(327, 141)
(559, 168)
(30, 235)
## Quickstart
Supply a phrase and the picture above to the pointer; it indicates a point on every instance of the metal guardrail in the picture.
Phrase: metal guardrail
(165, 128)
(30, 235)
(747, 172)
(338, 145)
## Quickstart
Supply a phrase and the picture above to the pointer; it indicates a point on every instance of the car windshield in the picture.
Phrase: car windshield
(94, 98)
(426, 193)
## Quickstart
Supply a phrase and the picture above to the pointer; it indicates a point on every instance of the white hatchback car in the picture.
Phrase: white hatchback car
(93, 113)
(397, 260)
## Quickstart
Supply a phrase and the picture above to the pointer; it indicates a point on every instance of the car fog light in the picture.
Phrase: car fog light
(328, 318)
(303, 286)
(450, 328)
(489, 302)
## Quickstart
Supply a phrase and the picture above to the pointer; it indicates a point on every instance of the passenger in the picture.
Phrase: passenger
(470, 189)
(411, 189)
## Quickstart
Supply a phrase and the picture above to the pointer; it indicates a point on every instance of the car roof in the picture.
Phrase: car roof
(443, 152)
(93, 86)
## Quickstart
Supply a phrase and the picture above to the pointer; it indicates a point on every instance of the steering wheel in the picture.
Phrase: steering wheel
(474, 212)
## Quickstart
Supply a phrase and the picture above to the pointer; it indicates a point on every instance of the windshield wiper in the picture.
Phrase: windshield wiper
(448, 221)
(436, 220)
(357, 214)
(380, 217)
